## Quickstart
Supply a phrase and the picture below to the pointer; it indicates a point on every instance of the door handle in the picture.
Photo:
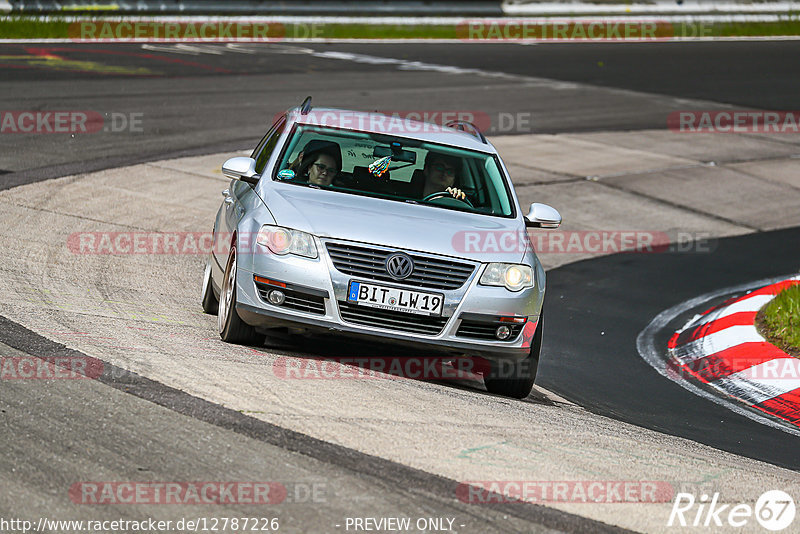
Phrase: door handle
(226, 192)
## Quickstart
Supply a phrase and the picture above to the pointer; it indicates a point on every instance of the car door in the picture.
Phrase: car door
(233, 205)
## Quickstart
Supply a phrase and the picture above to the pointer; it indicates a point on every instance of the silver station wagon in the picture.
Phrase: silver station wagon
(384, 228)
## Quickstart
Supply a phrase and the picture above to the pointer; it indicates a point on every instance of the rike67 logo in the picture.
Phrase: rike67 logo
(774, 510)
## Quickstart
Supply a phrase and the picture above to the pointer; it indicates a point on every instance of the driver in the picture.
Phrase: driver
(319, 162)
(440, 175)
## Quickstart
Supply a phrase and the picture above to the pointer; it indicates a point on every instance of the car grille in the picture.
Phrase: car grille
(484, 330)
(295, 300)
(434, 273)
(394, 320)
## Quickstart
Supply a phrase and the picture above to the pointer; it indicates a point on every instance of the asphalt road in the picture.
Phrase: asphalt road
(168, 100)
(610, 300)
(125, 427)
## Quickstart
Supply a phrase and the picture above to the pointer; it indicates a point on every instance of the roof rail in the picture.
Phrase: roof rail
(467, 127)
(305, 107)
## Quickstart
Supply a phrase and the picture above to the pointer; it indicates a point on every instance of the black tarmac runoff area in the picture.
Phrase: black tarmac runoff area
(597, 308)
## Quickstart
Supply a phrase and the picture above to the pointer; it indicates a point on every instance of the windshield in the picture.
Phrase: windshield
(395, 168)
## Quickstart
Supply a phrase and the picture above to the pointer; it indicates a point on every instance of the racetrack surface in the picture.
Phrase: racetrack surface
(613, 380)
(205, 98)
(140, 312)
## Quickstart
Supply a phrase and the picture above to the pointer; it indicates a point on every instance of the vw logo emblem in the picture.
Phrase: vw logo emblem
(399, 266)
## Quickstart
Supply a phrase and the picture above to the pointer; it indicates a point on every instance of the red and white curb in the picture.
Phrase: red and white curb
(720, 355)
(723, 349)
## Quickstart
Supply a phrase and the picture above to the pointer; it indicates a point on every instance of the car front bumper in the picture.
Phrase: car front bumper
(319, 296)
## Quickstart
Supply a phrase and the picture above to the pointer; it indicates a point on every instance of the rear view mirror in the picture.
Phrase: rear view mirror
(542, 216)
(241, 168)
(396, 153)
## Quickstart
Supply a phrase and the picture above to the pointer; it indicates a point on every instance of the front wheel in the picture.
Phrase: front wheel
(231, 327)
(515, 378)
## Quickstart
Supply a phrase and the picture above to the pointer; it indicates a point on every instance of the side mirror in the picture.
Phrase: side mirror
(243, 169)
(542, 216)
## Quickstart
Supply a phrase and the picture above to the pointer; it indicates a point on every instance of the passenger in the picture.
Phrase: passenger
(318, 163)
(440, 173)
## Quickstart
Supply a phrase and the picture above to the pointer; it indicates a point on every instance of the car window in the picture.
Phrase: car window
(267, 145)
(478, 174)
(359, 153)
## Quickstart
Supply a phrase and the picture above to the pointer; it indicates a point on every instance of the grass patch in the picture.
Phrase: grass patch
(60, 27)
(779, 321)
(20, 27)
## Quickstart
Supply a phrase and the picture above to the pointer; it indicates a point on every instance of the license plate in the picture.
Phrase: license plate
(392, 298)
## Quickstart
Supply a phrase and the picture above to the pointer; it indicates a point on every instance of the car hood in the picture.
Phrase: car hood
(329, 214)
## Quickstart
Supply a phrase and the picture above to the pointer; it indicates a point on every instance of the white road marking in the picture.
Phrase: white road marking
(404, 64)
(717, 342)
(184, 48)
(747, 304)
(752, 385)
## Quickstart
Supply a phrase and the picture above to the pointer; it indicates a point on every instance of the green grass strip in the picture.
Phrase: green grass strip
(24, 27)
(780, 320)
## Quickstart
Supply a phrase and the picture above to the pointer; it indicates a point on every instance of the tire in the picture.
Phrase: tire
(231, 327)
(210, 302)
(515, 378)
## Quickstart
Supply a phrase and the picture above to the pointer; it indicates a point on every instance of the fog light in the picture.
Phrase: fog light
(503, 332)
(276, 297)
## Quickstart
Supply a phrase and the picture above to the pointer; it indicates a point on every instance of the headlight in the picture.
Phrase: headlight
(511, 275)
(286, 241)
